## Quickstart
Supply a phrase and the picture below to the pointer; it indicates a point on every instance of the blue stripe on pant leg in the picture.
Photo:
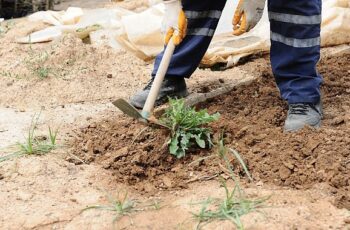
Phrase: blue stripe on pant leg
(294, 67)
(190, 52)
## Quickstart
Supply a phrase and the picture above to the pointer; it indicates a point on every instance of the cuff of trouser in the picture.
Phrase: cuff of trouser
(311, 100)
(170, 76)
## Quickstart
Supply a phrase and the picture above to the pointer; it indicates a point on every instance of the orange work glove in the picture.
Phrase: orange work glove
(174, 22)
(247, 15)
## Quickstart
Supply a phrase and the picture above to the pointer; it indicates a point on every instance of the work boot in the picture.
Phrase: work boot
(302, 114)
(174, 87)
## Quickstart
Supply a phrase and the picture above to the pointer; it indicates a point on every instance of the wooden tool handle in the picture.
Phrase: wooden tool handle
(158, 80)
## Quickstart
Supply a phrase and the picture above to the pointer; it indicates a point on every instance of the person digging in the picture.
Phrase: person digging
(295, 50)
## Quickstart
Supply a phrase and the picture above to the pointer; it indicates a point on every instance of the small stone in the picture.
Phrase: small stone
(120, 153)
(260, 184)
(89, 146)
(284, 172)
(149, 187)
(288, 165)
(93, 126)
(338, 121)
(109, 75)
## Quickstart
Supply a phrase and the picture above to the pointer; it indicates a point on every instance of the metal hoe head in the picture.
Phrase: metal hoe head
(129, 110)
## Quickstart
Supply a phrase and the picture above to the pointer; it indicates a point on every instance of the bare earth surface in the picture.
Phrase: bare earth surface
(252, 118)
(72, 85)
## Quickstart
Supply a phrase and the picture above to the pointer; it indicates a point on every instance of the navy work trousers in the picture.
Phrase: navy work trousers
(295, 44)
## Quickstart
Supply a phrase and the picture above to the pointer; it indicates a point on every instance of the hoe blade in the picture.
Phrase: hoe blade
(131, 111)
(128, 109)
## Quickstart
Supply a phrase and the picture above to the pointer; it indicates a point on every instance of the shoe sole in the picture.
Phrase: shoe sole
(316, 126)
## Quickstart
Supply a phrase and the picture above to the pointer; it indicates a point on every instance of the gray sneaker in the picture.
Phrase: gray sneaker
(302, 114)
(174, 87)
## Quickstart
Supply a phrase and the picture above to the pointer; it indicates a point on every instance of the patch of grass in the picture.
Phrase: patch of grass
(235, 204)
(34, 145)
(42, 72)
(232, 207)
(187, 126)
(9, 74)
(36, 64)
(222, 153)
(122, 206)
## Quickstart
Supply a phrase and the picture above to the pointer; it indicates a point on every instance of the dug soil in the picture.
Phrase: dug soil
(252, 119)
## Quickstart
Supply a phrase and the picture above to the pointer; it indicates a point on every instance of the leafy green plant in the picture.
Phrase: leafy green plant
(187, 127)
(34, 145)
(42, 72)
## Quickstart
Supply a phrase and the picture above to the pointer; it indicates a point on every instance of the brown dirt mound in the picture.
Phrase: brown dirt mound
(252, 118)
(137, 153)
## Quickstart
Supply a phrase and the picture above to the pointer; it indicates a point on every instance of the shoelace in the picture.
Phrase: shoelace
(299, 109)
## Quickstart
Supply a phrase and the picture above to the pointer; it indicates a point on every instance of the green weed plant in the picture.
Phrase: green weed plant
(32, 144)
(235, 203)
(122, 205)
(188, 127)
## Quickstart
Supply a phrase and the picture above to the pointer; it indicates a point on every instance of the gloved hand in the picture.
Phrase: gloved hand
(247, 15)
(174, 22)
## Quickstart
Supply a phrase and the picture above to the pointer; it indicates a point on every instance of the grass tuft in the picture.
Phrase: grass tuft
(122, 206)
(34, 145)
(232, 207)
(36, 63)
(235, 204)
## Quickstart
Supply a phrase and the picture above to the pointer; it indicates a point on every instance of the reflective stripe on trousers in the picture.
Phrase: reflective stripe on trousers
(295, 39)
(295, 48)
